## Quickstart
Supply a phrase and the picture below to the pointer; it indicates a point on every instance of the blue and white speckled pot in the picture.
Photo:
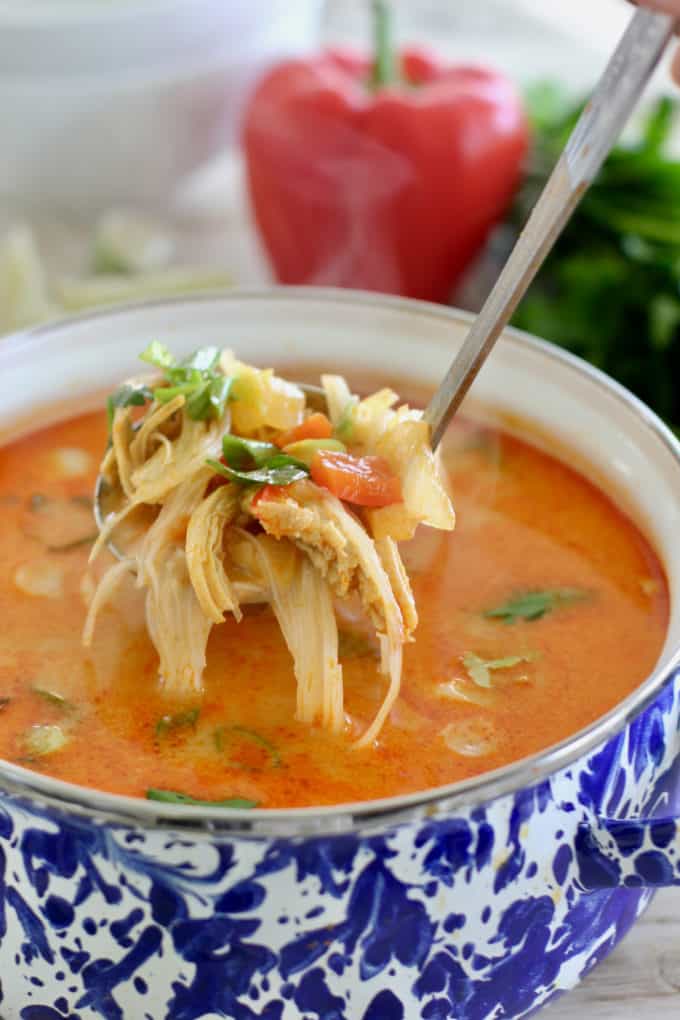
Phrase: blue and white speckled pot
(477, 901)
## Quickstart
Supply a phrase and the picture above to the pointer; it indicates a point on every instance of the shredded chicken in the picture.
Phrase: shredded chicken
(209, 545)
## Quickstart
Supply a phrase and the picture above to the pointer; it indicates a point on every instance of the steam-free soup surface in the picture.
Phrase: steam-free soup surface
(539, 613)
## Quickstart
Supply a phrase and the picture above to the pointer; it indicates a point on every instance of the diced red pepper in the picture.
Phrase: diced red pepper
(317, 426)
(268, 492)
(365, 481)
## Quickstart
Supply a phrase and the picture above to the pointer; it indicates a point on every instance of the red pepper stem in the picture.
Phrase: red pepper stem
(384, 62)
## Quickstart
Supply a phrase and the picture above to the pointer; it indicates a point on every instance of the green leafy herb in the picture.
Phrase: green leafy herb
(224, 735)
(127, 395)
(610, 289)
(157, 354)
(181, 720)
(479, 670)
(197, 378)
(172, 797)
(532, 605)
(278, 470)
(246, 453)
(54, 698)
(4, 702)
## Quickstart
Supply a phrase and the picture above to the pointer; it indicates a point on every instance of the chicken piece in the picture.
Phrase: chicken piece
(205, 553)
(337, 545)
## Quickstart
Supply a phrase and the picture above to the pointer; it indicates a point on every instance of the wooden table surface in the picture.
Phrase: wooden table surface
(641, 978)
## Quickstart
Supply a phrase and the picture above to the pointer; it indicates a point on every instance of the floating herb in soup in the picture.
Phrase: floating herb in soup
(261, 646)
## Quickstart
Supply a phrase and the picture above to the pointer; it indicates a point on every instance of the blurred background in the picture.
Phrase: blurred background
(125, 171)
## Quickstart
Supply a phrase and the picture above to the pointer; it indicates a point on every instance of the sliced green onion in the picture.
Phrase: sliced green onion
(221, 738)
(242, 453)
(54, 698)
(172, 797)
(179, 721)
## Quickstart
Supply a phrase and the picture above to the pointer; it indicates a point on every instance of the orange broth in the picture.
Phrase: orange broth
(525, 522)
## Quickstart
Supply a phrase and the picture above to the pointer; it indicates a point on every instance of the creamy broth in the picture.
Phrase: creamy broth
(478, 691)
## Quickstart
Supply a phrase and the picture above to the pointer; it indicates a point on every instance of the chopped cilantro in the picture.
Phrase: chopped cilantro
(197, 378)
(532, 605)
(278, 470)
(479, 670)
(127, 395)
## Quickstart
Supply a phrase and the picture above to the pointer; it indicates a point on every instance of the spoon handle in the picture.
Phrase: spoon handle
(595, 133)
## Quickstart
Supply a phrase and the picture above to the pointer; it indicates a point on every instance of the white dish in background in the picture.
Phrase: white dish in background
(105, 101)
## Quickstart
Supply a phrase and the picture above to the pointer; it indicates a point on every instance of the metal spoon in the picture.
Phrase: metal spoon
(596, 131)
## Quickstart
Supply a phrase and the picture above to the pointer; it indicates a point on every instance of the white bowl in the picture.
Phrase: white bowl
(119, 100)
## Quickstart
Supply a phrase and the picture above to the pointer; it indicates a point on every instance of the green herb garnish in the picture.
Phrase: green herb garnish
(197, 378)
(172, 797)
(610, 289)
(158, 355)
(54, 698)
(246, 453)
(533, 605)
(278, 470)
(181, 720)
(224, 734)
(479, 670)
(128, 395)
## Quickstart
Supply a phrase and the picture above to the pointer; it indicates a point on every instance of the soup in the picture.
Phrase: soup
(538, 613)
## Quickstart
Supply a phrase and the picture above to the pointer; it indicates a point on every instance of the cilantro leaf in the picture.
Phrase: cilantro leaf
(172, 797)
(202, 360)
(127, 395)
(479, 670)
(532, 605)
(278, 470)
(609, 290)
(158, 354)
(246, 453)
(197, 378)
(224, 735)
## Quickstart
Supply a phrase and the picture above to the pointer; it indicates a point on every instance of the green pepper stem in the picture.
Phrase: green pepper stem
(384, 61)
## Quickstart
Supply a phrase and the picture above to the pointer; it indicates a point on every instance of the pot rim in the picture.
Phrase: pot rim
(313, 821)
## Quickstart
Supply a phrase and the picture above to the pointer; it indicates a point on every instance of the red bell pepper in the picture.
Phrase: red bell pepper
(363, 177)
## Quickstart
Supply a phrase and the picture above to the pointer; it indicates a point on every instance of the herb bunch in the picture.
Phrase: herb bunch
(610, 289)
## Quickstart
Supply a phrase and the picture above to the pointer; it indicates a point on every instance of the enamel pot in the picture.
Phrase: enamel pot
(481, 900)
